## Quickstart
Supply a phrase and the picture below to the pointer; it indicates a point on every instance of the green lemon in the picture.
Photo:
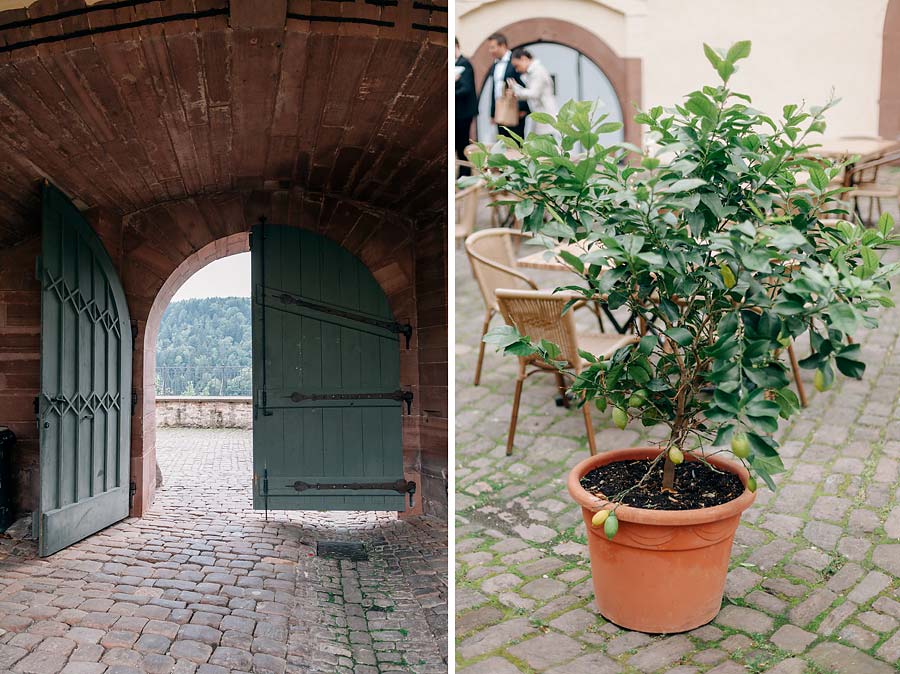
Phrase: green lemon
(599, 517)
(740, 445)
(611, 526)
(638, 398)
(675, 455)
(620, 417)
(727, 276)
(751, 484)
(819, 381)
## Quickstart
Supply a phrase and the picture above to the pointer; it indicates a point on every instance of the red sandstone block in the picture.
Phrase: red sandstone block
(19, 342)
(24, 314)
(16, 407)
(24, 383)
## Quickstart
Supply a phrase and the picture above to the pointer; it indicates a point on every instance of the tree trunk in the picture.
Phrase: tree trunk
(668, 483)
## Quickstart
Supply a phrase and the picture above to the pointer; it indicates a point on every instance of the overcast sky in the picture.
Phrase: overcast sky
(228, 277)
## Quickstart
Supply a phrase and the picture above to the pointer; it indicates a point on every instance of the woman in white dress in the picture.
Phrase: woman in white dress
(538, 89)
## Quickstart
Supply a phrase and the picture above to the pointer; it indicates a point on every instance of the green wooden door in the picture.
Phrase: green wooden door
(326, 371)
(84, 407)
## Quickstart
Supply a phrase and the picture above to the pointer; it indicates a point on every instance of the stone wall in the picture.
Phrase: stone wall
(204, 412)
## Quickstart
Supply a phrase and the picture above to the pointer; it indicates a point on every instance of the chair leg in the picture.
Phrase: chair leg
(561, 386)
(488, 315)
(795, 368)
(517, 396)
(589, 427)
(598, 312)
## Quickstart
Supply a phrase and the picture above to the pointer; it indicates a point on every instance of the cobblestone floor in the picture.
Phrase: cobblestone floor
(204, 585)
(814, 584)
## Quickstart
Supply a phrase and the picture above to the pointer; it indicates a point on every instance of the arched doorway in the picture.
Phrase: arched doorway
(178, 129)
(575, 77)
(572, 47)
(379, 240)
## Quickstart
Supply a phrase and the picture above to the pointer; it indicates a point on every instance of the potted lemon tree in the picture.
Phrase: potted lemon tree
(726, 243)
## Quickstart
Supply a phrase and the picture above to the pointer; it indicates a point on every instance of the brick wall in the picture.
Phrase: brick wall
(20, 352)
(431, 312)
(197, 412)
(157, 249)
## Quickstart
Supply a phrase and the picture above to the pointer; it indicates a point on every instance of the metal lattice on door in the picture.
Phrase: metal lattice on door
(85, 427)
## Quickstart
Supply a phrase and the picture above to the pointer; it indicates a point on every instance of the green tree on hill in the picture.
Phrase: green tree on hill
(204, 347)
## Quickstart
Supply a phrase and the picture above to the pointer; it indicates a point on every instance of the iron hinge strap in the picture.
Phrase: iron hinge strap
(404, 329)
(400, 486)
(398, 395)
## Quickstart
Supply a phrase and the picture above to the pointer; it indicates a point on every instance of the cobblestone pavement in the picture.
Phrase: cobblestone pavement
(204, 585)
(814, 584)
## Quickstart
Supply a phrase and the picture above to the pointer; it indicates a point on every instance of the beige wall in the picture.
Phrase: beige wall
(480, 18)
(801, 48)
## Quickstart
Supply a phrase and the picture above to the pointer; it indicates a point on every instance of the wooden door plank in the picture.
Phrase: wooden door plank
(326, 440)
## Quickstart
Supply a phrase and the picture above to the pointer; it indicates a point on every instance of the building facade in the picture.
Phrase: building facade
(651, 50)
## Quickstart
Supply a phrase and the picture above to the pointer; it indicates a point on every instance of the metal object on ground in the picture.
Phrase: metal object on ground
(349, 550)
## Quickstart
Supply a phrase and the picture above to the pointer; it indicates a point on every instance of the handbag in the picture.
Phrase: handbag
(506, 112)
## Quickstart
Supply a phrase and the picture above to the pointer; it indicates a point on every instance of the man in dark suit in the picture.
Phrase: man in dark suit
(502, 70)
(466, 106)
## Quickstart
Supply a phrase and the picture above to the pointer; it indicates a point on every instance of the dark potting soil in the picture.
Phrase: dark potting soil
(697, 485)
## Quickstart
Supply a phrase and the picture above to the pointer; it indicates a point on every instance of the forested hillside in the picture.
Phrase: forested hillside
(204, 347)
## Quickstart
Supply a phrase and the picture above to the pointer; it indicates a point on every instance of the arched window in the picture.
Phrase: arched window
(575, 77)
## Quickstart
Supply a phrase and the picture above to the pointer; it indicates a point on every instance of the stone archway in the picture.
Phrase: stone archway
(889, 100)
(175, 128)
(623, 73)
(157, 242)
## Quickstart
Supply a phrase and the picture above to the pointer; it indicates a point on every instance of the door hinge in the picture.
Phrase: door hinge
(134, 399)
(404, 329)
(401, 486)
(399, 395)
(132, 490)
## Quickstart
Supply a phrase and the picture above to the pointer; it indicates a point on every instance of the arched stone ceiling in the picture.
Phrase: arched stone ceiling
(127, 104)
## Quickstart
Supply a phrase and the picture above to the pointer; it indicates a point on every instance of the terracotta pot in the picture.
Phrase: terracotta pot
(664, 571)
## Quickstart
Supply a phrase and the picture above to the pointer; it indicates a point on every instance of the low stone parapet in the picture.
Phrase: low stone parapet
(204, 412)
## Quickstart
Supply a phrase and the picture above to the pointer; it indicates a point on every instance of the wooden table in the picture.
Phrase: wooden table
(868, 149)
(540, 260)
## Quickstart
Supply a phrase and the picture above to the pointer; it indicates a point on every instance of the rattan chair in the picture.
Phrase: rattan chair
(539, 315)
(467, 202)
(492, 255)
